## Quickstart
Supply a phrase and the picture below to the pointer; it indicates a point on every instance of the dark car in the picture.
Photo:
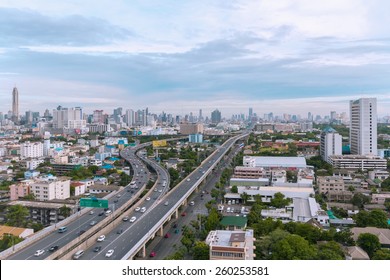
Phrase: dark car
(81, 232)
(167, 235)
(53, 248)
(183, 214)
(119, 231)
(174, 226)
(97, 248)
(101, 213)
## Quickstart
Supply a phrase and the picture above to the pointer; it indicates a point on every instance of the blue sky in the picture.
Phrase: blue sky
(290, 56)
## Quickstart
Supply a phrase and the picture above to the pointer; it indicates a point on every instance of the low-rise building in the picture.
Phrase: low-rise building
(15, 231)
(231, 245)
(330, 183)
(51, 188)
(19, 190)
(382, 233)
(358, 162)
(380, 198)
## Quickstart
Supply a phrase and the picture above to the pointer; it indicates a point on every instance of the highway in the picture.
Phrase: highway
(82, 222)
(123, 243)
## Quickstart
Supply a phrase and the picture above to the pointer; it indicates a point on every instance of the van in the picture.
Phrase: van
(62, 229)
(108, 212)
(78, 254)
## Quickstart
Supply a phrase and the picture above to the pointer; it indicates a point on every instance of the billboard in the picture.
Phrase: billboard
(159, 143)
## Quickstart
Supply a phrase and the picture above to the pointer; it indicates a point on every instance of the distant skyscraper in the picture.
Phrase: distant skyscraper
(309, 116)
(129, 117)
(331, 144)
(200, 118)
(15, 105)
(363, 126)
(215, 116)
(250, 113)
(333, 115)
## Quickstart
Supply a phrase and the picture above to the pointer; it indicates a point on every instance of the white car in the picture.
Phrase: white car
(188, 179)
(39, 252)
(147, 199)
(101, 238)
(132, 220)
(192, 203)
(143, 209)
(160, 190)
(109, 253)
(137, 209)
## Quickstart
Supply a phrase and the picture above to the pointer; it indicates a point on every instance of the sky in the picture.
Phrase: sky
(285, 56)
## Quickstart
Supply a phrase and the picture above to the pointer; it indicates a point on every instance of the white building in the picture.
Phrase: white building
(32, 164)
(31, 150)
(51, 188)
(275, 162)
(71, 118)
(331, 144)
(358, 162)
(363, 127)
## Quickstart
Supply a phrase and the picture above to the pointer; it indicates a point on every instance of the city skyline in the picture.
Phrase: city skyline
(291, 56)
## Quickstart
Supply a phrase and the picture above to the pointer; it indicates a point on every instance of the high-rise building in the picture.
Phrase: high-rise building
(331, 144)
(15, 105)
(215, 116)
(71, 118)
(98, 116)
(250, 113)
(129, 118)
(363, 126)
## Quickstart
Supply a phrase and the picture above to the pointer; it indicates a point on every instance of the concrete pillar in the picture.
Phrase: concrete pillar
(160, 232)
(176, 213)
(143, 251)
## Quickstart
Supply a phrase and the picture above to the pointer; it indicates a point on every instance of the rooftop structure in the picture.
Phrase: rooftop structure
(275, 162)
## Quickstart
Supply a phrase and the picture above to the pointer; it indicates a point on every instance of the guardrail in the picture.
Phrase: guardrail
(145, 238)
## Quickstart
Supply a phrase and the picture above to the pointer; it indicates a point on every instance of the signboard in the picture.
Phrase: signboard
(93, 202)
(159, 143)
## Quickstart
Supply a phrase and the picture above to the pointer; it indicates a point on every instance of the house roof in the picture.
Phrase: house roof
(357, 253)
(234, 221)
(382, 233)
(16, 231)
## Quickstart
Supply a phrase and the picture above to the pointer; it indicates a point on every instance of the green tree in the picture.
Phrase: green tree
(65, 211)
(279, 201)
(387, 204)
(359, 200)
(8, 240)
(264, 245)
(201, 251)
(381, 254)
(17, 215)
(374, 218)
(293, 247)
(330, 251)
(234, 189)
(213, 220)
(369, 243)
(244, 196)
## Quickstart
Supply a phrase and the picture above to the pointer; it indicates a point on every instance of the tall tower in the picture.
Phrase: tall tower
(363, 127)
(15, 105)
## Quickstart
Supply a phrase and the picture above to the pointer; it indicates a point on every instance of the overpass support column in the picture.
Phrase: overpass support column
(176, 213)
(160, 232)
(143, 251)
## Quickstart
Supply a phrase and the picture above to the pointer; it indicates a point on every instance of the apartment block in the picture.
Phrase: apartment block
(51, 188)
(31, 150)
(330, 183)
(358, 162)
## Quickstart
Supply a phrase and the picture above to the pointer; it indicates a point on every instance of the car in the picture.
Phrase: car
(177, 231)
(116, 200)
(109, 253)
(91, 212)
(174, 225)
(92, 223)
(125, 219)
(188, 179)
(152, 254)
(53, 248)
(167, 235)
(137, 209)
(132, 220)
(39, 252)
(166, 203)
(183, 214)
(147, 199)
(160, 190)
(81, 232)
(101, 213)
(118, 195)
(97, 248)
(143, 209)
(155, 190)
(119, 231)
(192, 203)
(101, 238)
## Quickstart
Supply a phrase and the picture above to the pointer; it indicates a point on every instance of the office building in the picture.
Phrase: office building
(15, 105)
(331, 143)
(358, 162)
(191, 128)
(363, 126)
(215, 116)
(68, 118)
(231, 245)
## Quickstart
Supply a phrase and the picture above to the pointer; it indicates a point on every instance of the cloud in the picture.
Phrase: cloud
(29, 28)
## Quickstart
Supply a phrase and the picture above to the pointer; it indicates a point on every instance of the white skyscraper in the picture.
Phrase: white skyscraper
(363, 126)
(331, 144)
